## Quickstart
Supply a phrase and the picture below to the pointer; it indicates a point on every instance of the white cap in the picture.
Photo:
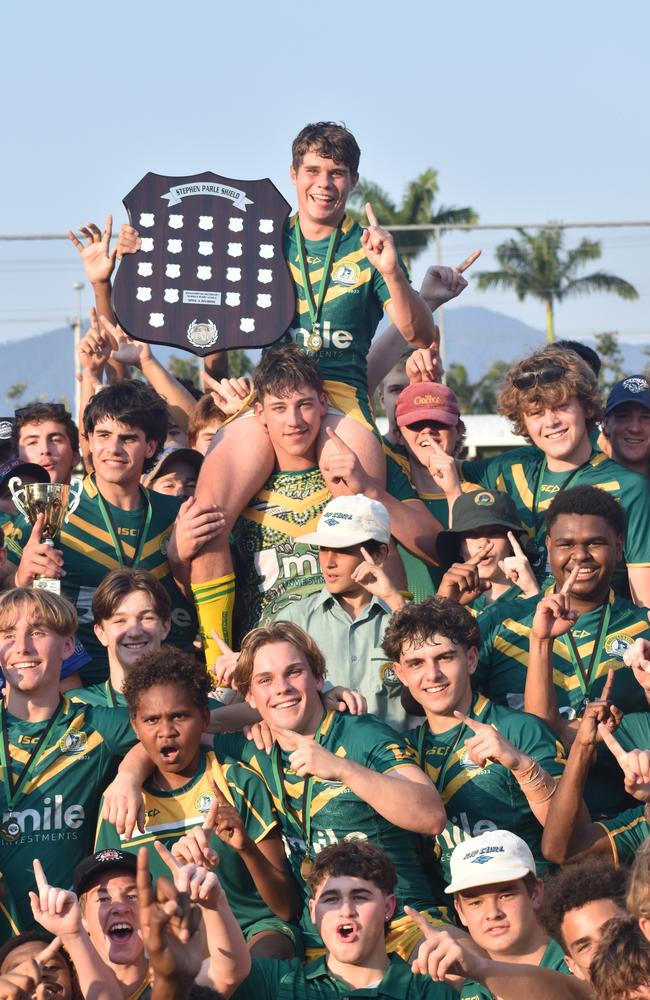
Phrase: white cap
(349, 521)
(495, 856)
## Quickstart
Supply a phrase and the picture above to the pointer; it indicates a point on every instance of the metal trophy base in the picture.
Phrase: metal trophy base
(45, 583)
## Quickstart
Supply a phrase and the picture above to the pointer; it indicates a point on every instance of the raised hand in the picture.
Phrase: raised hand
(57, 910)
(94, 348)
(170, 927)
(443, 953)
(461, 582)
(39, 557)
(198, 883)
(599, 712)
(97, 256)
(340, 465)
(128, 241)
(225, 664)
(637, 658)
(553, 616)
(488, 744)
(424, 365)
(441, 284)
(442, 468)
(635, 765)
(30, 980)
(373, 578)
(518, 569)
(127, 351)
(379, 246)
(229, 394)
(307, 757)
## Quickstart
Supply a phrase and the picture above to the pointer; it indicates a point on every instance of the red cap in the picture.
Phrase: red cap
(427, 401)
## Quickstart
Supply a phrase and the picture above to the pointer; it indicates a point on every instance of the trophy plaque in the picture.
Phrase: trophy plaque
(211, 273)
(57, 501)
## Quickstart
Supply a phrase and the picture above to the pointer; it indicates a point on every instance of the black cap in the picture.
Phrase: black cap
(634, 389)
(173, 454)
(90, 869)
(6, 427)
(16, 467)
(479, 509)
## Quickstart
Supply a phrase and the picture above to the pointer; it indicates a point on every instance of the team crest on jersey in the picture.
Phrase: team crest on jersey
(204, 802)
(346, 273)
(483, 499)
(164, 542)
(615, 645)
(73, 743)
(636, 384)
(465, 761)
(387, 673)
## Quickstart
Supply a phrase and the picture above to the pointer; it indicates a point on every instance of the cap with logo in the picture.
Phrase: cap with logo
(349, 521)
(94, 867)
(16, 467)
(426, 401)
(473, 511)
(495, 856)
(6, 428)
(174, 453)
(634, 389)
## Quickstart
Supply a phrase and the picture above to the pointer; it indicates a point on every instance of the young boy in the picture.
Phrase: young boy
(167, 697)
(57, 756)
(132, 617)
(118, 522)
(349, 615)
(493, 767)
(176, 472)
(46, 434)
(552, 398)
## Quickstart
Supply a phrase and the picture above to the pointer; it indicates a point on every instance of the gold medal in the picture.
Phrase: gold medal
(10, 830)
(306, 866)
(314, 340)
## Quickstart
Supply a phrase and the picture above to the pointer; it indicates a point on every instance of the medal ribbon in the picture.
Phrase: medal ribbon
(442, 773)
(303, 826)
(585, 676)
(143, 529)
(12, 788)
(563, 486)
(315, 306)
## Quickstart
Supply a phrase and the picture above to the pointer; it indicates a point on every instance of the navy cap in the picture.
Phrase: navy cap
(94, 867)
(633, 389)
(6, 427)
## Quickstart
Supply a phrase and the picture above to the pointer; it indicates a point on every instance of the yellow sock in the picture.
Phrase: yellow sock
(214, 602)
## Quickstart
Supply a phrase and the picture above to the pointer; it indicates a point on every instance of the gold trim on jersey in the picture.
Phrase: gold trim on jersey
(612, 834)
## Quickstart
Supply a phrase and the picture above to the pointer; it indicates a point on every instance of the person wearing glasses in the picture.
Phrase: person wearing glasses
(552, 398)
(46, 434)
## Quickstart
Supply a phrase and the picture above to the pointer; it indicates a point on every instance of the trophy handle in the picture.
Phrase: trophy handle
(76, 489)
(17, 490)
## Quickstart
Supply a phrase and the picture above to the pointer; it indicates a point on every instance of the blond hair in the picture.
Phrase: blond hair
(267, 635)
(578, 381)
(51, 610)
(638, 893)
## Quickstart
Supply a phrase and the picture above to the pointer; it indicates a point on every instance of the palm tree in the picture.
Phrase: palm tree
(536, 265)
(417, 207)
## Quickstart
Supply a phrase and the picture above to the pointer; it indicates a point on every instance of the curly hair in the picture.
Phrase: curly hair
(578, 381)
(134, 404)
(415, 623)
(586, 500)
(357, 858)
(575, 887)
(267, 635)
(621, 964)
(286, 369)
(168, 666)
(330, 140)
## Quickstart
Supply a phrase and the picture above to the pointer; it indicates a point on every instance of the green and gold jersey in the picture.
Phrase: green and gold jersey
(12, 532)
(55, 808)
(275, 979)
(353, 306)
(315, 813)
(422, 579)
(170, 814)
(523, 474)
(274, 568)
(478, 799)
(626, 832)
(505, 637)
(89, 553)
(97, 694)
(553, 958)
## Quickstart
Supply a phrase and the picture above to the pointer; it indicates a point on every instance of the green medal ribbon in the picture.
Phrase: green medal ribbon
(143, 529)
(12, 788)
(442, 773)
(315, 306)
(303, 826)
(585, 676)
(110, 695)
(563, 486)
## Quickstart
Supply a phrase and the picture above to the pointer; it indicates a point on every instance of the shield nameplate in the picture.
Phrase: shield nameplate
(211, 274)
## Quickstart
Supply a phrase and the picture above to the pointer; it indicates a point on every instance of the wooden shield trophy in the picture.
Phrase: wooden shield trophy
(210, 274)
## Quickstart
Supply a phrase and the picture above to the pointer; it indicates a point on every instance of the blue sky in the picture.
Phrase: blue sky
(528, 113)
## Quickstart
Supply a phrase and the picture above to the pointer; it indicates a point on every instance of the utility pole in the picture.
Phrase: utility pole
(78, 287)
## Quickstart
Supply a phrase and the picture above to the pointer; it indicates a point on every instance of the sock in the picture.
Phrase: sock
(214, 602)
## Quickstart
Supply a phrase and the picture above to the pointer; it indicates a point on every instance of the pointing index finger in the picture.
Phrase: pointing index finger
(516, 545)
(221, 643)
(144, 885)
(41, 880)
(469, 261)
(166, 855)
(609, 684)
(470, 723)
(570, 580)
(612, 743)
(372, 218)
(49, 952)
(418, 919)
(480, 554)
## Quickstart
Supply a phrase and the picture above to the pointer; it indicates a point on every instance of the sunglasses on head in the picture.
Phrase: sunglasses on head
(544, 376)
(30, 407)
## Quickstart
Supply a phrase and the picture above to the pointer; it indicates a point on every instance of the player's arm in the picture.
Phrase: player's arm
(197, 524)
(404, 795)
(123, 805)
(569, 833)
(553, 618)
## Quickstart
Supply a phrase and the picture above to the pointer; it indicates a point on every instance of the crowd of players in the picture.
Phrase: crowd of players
(316, 713)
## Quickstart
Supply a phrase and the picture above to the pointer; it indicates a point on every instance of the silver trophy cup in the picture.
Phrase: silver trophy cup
(57, 501)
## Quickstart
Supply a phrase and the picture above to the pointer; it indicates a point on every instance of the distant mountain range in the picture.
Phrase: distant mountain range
(474, 337)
